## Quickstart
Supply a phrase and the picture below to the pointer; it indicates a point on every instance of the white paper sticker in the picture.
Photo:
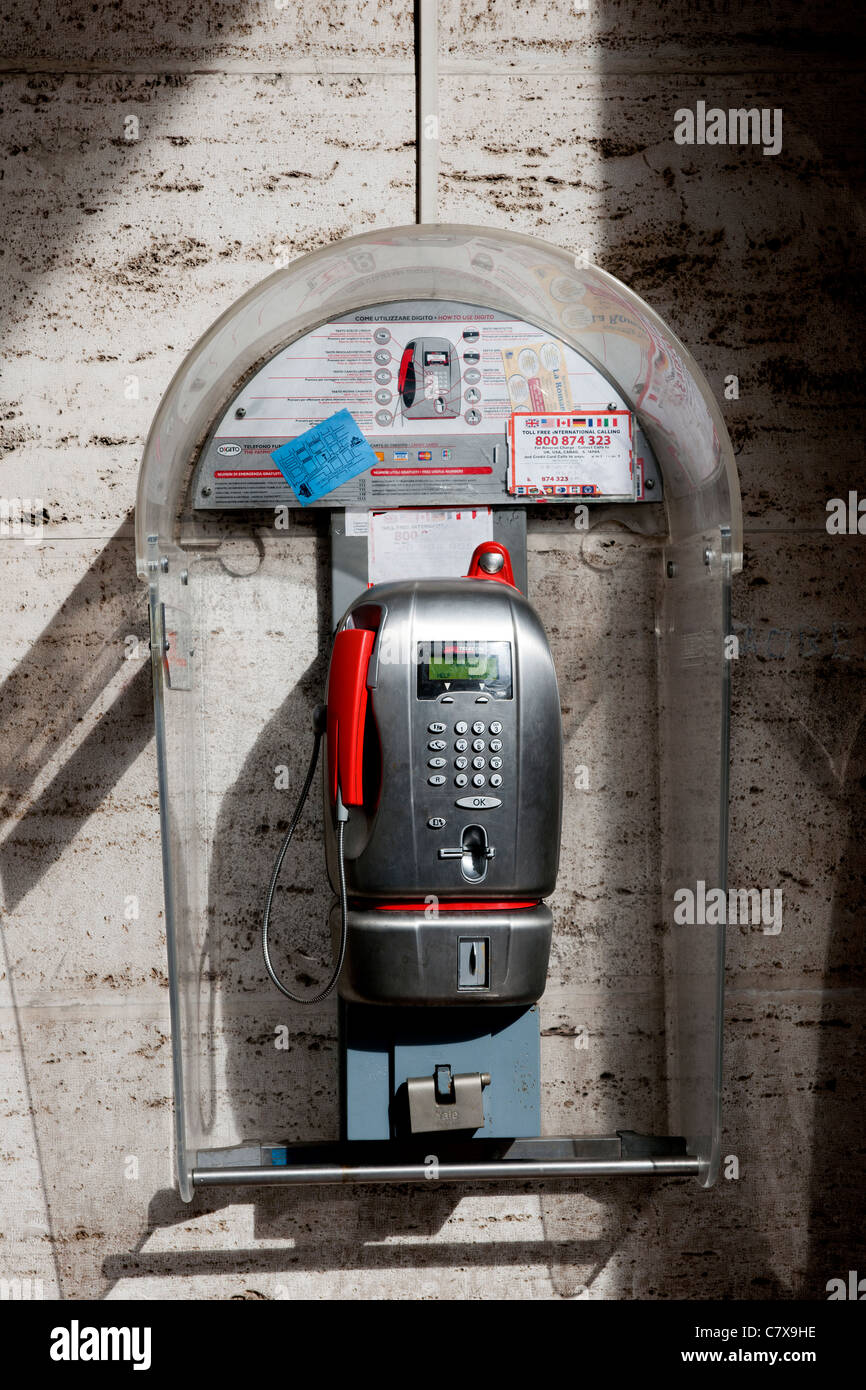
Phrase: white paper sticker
(430, 544)
(587, 454)
(357, 523)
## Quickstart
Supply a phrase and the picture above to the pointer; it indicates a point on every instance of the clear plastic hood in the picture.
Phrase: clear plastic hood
(242, 613)
(505, 271)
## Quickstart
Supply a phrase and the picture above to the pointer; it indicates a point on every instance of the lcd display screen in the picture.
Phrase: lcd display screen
(463, 668)
(447, 666)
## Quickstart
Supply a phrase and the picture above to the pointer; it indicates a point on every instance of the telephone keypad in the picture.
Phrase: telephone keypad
(462, 772)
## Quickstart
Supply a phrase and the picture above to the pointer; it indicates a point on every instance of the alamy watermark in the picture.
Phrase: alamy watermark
(715, 126)
(713, 907)
(77, 1343)
(852, 1289)
(22, 518)
(846, 516)
(21, 1290)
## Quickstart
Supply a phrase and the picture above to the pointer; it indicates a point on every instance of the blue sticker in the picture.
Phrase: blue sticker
(322, 458)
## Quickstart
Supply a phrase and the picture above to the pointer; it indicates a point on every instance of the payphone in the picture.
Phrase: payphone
(442, 790)
(450, 603)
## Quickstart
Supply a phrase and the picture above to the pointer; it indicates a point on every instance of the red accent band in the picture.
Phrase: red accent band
(479, 906)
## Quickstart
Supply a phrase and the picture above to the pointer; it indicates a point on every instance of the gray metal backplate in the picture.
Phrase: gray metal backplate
(350, 571)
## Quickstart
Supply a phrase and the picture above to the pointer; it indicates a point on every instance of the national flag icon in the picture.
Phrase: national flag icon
(589, 423)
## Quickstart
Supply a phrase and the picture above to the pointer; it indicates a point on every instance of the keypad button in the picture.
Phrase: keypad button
(478, 745)
(496, 780)
(478, 803)
(436, 781)
(435, 762)
(477, 762)
(461, 762)
(478, 780)
(437, 823)
(435, 728)
(436, 745)
(461, 779)
(478, 727)
(495, 745)
(461, 726)
(496, 763)
(496, 727)
(460, 745)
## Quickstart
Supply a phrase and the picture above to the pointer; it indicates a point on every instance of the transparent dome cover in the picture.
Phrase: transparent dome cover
(239, 641)
(581, 305)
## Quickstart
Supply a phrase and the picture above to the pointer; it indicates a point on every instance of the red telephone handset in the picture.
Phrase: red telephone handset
(405, 377)
(347, 712)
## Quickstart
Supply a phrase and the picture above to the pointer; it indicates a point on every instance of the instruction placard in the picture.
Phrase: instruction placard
(585, 454)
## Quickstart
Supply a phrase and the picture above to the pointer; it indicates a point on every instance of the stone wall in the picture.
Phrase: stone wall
(158, 161)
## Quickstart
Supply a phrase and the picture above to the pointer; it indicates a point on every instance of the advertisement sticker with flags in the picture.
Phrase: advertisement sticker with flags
(588, 453)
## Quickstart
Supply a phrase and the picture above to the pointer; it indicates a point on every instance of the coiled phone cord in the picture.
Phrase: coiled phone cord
(342, 816)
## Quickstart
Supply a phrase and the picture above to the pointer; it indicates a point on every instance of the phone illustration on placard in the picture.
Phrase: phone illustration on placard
(428, 384)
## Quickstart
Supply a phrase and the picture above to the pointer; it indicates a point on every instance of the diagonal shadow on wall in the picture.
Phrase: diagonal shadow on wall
(43, 701)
